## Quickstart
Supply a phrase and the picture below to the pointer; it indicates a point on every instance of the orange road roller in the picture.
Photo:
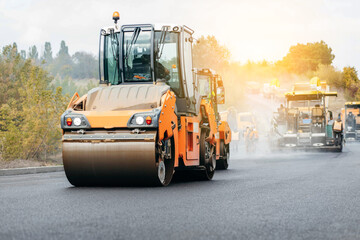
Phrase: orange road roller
(146, 119)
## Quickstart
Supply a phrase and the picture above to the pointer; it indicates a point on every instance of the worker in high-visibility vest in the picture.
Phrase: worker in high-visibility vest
(338, 130)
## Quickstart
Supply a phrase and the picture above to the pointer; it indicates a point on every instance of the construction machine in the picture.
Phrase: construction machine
(351, 116)
(211, 89)
(146, 119)
(303, 123)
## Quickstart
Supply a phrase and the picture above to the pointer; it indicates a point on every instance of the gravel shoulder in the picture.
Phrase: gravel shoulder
(21, 163)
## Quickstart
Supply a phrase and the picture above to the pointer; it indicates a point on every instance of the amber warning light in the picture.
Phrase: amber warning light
(116, 17)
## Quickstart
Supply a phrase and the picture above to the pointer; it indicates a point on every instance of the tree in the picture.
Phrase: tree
(351, 83)
(33, 53)
(64, 50)
(29, 108)
(207, 52)
(47, 55)
(85, 65)
(23, 54)
(62, 64)
(329, 74)
(307, 57)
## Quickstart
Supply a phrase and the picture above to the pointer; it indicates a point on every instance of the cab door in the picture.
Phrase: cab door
(192, 97)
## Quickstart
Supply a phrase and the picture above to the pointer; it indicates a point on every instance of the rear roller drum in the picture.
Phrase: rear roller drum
(207, 157)
(223, 162)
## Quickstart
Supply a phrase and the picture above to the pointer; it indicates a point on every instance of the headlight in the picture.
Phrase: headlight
(139, 120)
(77, 121)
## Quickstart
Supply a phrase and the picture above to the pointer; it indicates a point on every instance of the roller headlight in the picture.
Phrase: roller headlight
(139, 120)
(77, 121)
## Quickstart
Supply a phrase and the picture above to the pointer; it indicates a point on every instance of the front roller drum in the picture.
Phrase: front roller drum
(115, 163)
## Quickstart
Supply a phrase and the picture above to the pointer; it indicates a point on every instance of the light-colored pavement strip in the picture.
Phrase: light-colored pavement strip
(30, 170)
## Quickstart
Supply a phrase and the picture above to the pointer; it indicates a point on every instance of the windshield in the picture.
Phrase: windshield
(111, 58)
(204, 85)
(137, 56)
(353, 106)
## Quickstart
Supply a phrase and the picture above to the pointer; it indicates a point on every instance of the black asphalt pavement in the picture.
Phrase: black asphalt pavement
(261, 196)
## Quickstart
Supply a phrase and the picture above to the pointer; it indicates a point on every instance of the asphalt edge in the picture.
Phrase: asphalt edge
(30, 170)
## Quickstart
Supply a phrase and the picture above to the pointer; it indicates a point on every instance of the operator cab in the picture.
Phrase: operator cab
(210, 87)
(150, 54)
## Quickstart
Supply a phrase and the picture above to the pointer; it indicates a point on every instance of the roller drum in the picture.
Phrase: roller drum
(120, 160)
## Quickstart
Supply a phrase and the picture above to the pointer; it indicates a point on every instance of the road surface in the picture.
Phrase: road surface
(264, 196)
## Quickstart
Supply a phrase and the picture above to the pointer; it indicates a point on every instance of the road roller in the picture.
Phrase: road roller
(212, 93)
(146, 119)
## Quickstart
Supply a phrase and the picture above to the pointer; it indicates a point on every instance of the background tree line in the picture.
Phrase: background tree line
(74, 73)
(80, 65)
(35, 87)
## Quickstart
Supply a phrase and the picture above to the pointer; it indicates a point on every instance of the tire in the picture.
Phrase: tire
(223, 162)
(206, 157)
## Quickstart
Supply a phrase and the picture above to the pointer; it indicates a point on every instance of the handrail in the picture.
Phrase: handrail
(72, 99)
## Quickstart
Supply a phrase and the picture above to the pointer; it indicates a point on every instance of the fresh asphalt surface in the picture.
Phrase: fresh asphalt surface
(264, 196)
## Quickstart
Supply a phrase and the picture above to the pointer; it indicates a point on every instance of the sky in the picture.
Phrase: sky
(251, 29)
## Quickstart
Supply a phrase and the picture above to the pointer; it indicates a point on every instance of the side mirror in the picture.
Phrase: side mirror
(221, 95)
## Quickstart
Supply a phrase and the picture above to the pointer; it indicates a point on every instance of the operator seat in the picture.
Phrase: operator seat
(141, 62)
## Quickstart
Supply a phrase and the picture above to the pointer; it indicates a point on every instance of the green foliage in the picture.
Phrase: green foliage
(351, 83)
(47, 55)
(23, 54)
(62, 64)
(70, 86)
(329, 74)
(307, 57)
(85, 65)
(33, 53)
(29, 109)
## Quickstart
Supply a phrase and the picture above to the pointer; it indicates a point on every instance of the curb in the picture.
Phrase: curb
(30, 170)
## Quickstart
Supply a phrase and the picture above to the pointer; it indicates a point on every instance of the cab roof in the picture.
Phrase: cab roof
(157, 27)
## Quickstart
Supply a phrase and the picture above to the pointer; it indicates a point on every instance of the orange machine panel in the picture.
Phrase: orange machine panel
(209, 111)
(189, 137)
(168, 122)
(225, 132)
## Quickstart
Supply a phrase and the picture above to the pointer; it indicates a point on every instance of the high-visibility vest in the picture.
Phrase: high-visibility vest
(337, 126)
